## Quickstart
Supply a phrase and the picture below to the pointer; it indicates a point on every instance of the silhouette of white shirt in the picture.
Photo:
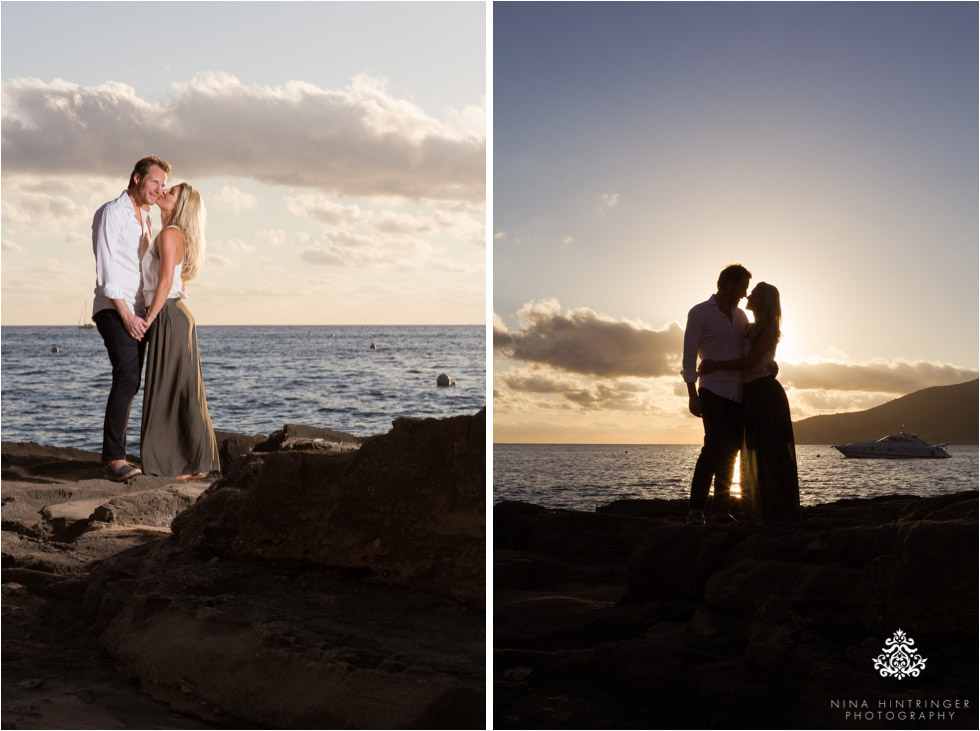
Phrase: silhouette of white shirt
(710, 335)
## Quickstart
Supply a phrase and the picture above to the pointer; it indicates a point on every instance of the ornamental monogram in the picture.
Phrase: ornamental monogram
(899, 658)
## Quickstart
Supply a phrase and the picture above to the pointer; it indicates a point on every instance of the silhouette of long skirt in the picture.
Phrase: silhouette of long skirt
(769, 480)
(176, 436)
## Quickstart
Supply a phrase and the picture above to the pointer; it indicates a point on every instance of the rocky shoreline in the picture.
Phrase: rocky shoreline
(629, 618)
(322, 581)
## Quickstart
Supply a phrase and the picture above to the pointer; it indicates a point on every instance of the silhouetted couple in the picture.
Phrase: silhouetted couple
(740, 402)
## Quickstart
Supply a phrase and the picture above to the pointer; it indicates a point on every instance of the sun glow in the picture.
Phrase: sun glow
(736, 482)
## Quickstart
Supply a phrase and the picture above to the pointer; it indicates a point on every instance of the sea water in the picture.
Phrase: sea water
(256, 379)
(581, 477)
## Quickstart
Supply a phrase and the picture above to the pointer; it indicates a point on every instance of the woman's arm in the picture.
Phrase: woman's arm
(171, 252)
(762, 345)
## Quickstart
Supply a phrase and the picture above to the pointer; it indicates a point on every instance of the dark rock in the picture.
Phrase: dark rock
(523, 526)
(733, 626)
(298, 436)
(408, 506)
(316, 589)
(155, 508)
(232, 447)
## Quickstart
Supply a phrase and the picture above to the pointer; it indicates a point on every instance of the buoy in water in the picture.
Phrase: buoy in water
(442, 380)
(373, 346)
(54, 349)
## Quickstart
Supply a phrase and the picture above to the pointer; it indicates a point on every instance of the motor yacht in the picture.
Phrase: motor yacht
(894, 446)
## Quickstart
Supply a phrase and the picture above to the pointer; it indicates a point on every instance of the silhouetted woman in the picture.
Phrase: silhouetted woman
(769, 480)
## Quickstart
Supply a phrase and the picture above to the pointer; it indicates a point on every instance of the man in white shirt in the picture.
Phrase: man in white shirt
(715, 330)
(120, 237)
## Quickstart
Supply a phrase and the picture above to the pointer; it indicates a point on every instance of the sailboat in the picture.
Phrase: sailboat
(84, 324)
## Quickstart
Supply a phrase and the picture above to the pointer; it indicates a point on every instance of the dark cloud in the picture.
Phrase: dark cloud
(582, 341)
(356, 141)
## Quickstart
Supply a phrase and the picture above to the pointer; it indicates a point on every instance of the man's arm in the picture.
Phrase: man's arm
(763, 344)
(692, 342)
(108, 229)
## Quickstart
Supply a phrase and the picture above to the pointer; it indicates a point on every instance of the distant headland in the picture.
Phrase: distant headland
(937, 414)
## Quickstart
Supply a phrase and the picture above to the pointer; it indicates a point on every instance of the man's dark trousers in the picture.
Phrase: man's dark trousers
(722, 420)
(126, 356)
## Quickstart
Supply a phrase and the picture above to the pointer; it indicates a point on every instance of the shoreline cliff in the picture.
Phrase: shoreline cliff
(627, 617)
(323, 580)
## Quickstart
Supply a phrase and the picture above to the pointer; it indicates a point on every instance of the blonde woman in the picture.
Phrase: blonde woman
(176, 438)
(768, 474)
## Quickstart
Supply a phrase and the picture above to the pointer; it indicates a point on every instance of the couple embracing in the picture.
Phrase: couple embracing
(141, 312)
(741, 404)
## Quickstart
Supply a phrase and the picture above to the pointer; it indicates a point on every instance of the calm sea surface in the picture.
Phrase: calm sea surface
(256, 379)
(584, 476)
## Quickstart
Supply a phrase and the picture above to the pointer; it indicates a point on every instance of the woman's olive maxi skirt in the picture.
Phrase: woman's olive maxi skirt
(176, 437)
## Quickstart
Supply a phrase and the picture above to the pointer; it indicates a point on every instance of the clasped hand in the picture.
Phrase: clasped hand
(136, 326)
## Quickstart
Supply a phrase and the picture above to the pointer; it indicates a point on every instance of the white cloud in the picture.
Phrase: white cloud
(276, 236)
(320, 208)
(812, 402)
(359, 140)
(44, 212)
(498, 324)
(10, 246)
(897, 376)
(76, 239)
(339, 249)
(566, 240)
(500, 235)
(606, 201)
(234, 199)
(229, 246)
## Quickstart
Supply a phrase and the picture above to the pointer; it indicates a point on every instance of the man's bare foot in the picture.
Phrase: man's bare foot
(198, 476)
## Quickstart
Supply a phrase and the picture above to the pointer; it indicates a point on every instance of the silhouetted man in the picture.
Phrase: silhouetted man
(120, 237)
(715, 330)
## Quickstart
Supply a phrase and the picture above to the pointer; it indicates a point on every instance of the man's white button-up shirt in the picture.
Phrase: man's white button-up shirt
(710, 335)
(119, 241)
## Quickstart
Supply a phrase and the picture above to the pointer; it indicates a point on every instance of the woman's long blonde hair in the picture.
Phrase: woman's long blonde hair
(768, 313)
(191, 217)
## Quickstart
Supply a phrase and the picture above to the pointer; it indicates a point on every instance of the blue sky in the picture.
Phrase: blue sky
(641, 147)
(339, 147)
(264, 42)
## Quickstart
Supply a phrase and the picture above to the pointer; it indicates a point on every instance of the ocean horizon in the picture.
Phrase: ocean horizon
(257, 378)
(584, 476)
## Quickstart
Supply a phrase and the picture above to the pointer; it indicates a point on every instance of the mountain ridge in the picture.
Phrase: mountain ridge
(936, 414)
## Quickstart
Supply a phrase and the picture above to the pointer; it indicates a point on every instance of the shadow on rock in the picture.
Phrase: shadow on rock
(325, 581)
